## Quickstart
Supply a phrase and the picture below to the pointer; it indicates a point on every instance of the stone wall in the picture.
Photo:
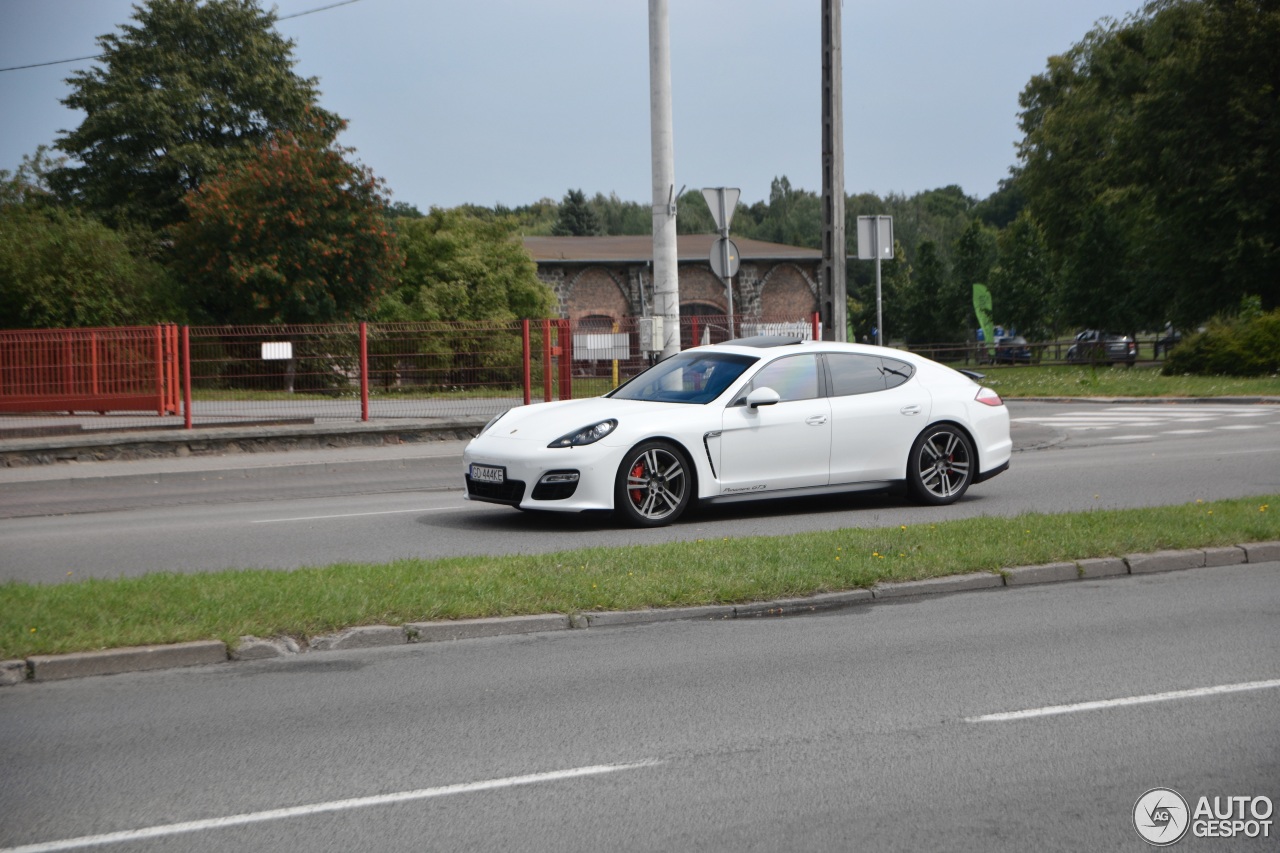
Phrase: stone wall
(775, 290)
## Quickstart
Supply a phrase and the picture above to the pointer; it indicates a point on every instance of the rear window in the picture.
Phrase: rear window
(863, 374)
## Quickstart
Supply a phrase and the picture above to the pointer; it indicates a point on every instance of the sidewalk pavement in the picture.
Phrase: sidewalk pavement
(290, 448)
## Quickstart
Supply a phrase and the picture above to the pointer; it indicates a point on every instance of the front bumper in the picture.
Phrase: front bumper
(538, 477)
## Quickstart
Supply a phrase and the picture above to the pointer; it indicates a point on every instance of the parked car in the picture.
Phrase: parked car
(1096, 347)
(1012, 350)
(753, 418)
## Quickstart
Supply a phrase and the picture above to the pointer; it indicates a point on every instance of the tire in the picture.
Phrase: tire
(941, 466)
(654, 484)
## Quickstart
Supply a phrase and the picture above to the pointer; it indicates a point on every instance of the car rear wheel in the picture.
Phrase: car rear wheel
(941, 466)
(654, 484)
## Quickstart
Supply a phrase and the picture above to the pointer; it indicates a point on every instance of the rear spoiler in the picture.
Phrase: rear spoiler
(974, 375)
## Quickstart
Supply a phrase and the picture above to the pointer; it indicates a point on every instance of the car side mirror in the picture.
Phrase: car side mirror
(762, 397)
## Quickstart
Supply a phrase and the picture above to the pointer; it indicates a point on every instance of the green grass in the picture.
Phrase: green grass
(168, 607)
(1119, 381)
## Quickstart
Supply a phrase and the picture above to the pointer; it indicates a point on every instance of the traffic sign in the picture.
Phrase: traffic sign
(724, 258)
(722, 201)
(875, 238)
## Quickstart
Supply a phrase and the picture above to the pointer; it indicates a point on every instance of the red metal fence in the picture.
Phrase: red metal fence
(170, 376)
(91, 370)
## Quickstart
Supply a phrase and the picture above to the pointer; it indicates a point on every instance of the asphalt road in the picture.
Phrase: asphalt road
(1071, 457)
(859, 729)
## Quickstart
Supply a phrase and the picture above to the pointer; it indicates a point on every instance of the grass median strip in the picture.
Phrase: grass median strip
(1119, 381)
(170, 608)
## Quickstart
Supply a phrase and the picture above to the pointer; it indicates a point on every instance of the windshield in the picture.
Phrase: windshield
(687, 377)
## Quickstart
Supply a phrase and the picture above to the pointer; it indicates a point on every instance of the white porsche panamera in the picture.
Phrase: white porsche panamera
(748, 419)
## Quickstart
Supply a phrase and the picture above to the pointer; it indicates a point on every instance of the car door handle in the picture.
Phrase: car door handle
(910, 410)
(816, 420)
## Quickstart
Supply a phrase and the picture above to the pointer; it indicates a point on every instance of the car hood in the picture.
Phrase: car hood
(545, 422)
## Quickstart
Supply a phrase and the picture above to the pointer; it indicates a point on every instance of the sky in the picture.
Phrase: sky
(511, 101)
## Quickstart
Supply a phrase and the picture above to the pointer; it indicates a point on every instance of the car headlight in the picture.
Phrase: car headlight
(586, 435)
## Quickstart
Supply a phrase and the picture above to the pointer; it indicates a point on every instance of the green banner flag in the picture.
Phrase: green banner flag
(982, 307)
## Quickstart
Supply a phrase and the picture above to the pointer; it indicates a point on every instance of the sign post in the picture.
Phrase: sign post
(875, 240)
(722, 202)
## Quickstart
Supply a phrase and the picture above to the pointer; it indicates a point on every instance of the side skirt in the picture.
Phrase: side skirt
(765, 494)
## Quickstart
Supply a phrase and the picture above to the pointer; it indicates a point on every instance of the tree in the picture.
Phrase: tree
(1002, 207)
(793, 217)
(895, 284)
(30, 183)
(975, 254)
(576, 218)
(403, 210)
(60, 268)
(1163, 129)
(458, 267)
(621, 217)
(1022, 281)
(922, 299)
(293, 234)
(191, 87)
(694, 217)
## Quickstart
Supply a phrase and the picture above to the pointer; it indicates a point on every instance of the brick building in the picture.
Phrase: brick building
(603, 280)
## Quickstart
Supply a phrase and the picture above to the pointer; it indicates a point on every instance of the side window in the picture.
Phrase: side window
(863, 374)
(896, 372)
(854, 374)
(794, 378)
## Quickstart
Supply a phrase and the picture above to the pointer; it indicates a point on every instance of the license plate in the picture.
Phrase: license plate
(488, 474)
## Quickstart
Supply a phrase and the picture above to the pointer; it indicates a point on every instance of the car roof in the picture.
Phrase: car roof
(771, 346)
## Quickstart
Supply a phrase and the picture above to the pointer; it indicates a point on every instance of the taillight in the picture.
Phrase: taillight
(987, 397)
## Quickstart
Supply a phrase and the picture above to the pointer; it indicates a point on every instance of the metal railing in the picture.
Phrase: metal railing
(89, 370)
(185, 377)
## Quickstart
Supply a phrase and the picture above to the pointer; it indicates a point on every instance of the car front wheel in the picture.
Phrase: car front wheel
(941, 466)
(654, 484)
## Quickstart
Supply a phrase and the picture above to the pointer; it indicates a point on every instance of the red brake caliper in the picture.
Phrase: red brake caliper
(637, 471)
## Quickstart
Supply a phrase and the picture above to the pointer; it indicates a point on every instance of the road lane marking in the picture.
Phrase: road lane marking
(1172, 695)
(322, 808)
(354, 515)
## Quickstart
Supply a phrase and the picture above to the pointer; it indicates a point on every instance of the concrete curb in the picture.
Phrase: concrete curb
(471, 629)
(142, 658)
(1049, 573)
(1102, 567)
(933, 586)
(1164, 561)
(1261, 552)
(131, 659)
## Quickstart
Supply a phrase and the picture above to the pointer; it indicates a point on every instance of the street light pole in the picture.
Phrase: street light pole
(666, 284)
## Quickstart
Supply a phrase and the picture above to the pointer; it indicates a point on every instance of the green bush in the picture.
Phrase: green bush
(60, 268)
(1245, 346)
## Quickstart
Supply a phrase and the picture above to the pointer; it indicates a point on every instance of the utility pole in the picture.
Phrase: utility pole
(833, 307)
(666, 284)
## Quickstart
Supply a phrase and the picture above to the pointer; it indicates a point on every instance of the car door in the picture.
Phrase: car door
(785, 445)
(876, 414)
